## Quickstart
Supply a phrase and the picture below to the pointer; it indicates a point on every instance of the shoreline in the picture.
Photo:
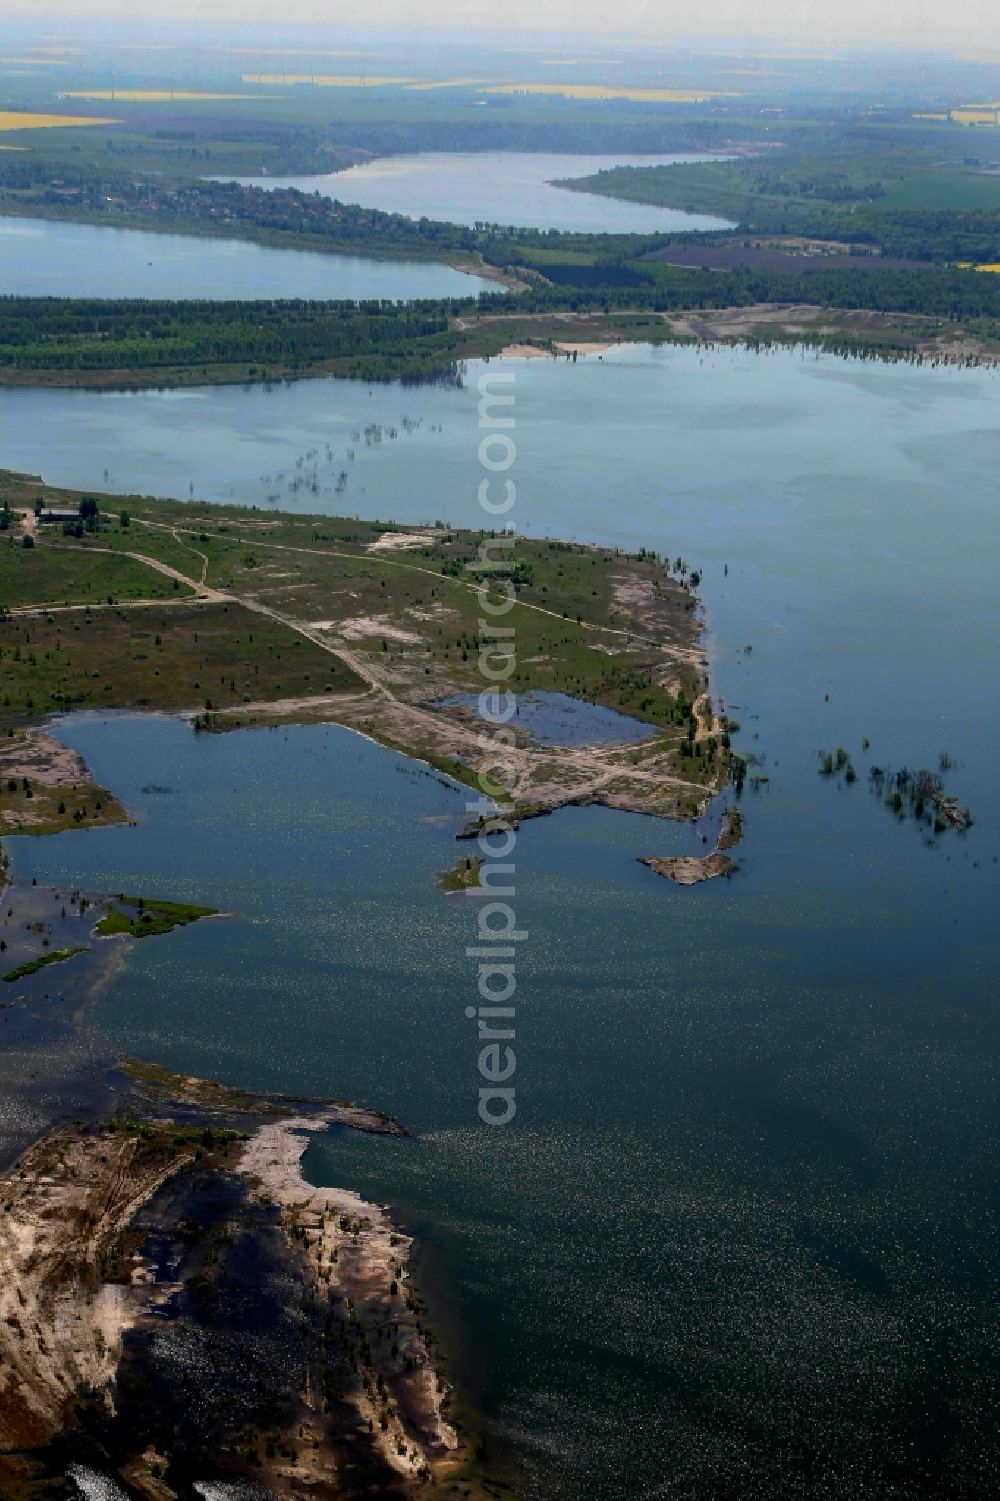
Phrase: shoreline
(372, 1257)
(353, 1262)
(267, 239)
(640, 650)
(93, 1208)
(847, 333)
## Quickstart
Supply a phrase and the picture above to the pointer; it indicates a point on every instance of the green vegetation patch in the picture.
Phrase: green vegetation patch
(184, 657)
(48, 574)
(29, 806)
(207, 1093)
(463, 876)
(896, 195)
(32, 966)
(149, 918)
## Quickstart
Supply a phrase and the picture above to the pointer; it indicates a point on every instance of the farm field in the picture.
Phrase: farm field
(11, 119)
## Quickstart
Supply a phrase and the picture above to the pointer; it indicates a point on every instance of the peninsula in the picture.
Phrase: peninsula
(234, 617)
(129, 1221)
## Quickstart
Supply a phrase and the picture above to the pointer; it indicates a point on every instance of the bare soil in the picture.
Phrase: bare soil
(689, 870)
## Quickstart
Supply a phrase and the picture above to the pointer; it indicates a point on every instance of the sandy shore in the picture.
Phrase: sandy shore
(61, 1326)
(689, 870)
(41, 758)
(79, 1204)
(524, 352)
(359, 1261)
(567, 347)
(591, 346)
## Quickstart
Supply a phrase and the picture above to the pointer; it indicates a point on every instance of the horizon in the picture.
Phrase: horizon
(803, 27)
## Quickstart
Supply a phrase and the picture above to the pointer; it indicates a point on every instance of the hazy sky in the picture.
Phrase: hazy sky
(911, 23)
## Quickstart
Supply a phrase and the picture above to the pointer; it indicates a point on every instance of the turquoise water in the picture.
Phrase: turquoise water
(738, 1241)
(500, 187)
(44, 258)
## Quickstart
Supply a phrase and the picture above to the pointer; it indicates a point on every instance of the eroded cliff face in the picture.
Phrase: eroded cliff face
(177, 1306)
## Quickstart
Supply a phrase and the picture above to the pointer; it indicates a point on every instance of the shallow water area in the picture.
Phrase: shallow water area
(52, 1065)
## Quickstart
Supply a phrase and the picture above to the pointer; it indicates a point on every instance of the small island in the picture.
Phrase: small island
(690, 870)
(915, 793)
(464, 875)
(32, 966)
(139, 917)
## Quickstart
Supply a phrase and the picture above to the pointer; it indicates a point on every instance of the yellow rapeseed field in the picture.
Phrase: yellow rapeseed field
(447, 83)
(603, 91)
(990, 266)
(12, 119)
(969, 114)
(567, 90)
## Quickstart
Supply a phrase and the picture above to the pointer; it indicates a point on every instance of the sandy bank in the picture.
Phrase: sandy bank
(524, 352)
(360, 1263)
(61, 1326)
(689, 870)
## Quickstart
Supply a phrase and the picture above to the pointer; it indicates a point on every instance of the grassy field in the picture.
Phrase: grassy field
(44, 576)
(956, 189)
(190, 657)
(318, 569)
(175, 549)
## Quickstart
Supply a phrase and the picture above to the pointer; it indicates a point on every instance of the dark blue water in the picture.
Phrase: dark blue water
(731, 1187)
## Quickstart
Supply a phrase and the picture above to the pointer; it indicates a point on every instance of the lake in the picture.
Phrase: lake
(500, 187)
(46, 258)
(737, 1240)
